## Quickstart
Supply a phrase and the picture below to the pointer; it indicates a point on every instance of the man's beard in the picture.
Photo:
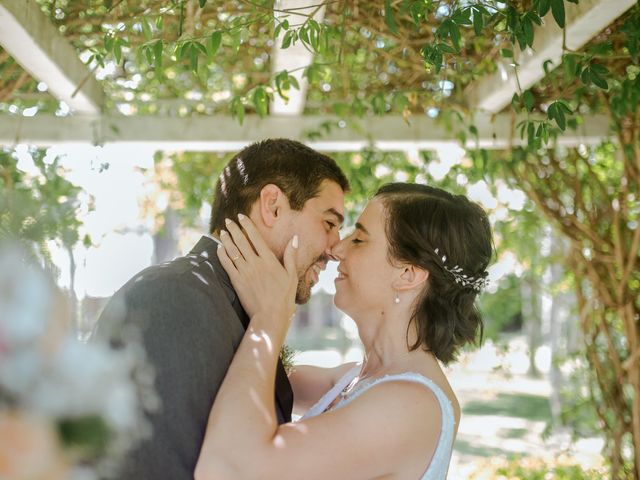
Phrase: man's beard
(303, 290)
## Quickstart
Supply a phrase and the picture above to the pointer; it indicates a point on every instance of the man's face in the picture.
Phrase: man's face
(317, 226)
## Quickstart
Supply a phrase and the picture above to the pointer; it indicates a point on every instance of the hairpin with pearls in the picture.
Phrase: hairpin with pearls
(476, 283)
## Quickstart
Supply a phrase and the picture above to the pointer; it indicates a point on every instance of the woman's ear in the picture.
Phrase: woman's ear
(411, 277)
(270, 204)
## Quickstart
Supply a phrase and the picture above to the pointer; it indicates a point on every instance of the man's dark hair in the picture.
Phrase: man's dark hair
(440, 232)
(295, 168)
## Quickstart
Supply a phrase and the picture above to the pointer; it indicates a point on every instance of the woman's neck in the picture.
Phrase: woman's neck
(385, 341)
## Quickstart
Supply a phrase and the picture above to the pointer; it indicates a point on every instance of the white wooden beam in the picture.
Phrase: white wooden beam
(34, 42)
(583, 22)
(221, 133)
(295, 58)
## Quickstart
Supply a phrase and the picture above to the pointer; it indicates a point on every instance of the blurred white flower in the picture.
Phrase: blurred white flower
(49, 379)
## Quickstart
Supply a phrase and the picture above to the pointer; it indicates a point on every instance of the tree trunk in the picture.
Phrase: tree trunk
(530, 292)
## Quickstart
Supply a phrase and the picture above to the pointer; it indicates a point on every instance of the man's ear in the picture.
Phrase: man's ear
(411, 277)
(271, 202)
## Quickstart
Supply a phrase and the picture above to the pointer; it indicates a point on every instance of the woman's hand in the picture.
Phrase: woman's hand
(262, 283)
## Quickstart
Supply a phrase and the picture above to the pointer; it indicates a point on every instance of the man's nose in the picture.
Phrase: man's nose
(334, 238)
(336, 251)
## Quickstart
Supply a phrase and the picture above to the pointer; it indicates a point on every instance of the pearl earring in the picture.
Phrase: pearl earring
(397, 299)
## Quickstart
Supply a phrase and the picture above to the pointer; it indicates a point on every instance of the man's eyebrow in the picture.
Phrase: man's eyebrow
(359, 226)
(333, 211)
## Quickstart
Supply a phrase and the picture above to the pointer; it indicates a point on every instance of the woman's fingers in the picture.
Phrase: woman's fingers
(290, 256)
(226, 261)
(254, 235)
(230, 247)
(240, 239)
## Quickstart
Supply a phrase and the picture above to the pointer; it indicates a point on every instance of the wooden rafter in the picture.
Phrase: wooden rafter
(583, 22)
(34, 42)
(222, 133)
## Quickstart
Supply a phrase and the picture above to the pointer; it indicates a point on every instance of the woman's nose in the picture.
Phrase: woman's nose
(337, 251)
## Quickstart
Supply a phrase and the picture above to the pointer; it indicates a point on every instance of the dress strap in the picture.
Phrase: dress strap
(326, 400)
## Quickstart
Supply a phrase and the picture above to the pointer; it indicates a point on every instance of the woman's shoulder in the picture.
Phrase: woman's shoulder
(417, 394)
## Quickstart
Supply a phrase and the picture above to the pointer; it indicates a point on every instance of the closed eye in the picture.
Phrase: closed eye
(356, 241)
(331, 225)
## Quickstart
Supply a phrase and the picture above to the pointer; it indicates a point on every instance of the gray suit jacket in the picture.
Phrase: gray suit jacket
(191, 323)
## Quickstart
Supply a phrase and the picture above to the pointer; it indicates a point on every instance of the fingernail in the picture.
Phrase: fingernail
(241, 216)
(223, 232)
(227, 221)
(294, 242)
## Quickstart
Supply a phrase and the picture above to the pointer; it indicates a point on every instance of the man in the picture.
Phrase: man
(191, 319)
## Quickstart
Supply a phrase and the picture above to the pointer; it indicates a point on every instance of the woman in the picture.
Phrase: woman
(408, 276)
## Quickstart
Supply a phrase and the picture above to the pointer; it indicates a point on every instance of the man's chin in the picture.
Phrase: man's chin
(303, 293)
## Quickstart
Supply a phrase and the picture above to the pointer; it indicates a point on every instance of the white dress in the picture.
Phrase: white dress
(437, 468)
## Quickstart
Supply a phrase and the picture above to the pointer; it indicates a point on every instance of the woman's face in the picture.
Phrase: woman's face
(363, 286)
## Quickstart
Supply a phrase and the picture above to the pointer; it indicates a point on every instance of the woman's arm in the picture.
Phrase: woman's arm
(385, 429)
(309, 383)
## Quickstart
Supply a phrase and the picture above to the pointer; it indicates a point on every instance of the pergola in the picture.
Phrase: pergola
(46, 55)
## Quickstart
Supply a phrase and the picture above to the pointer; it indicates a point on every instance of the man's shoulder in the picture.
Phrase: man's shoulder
(197, 274)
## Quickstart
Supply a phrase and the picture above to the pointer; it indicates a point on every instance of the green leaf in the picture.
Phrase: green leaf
(193, 56)
(563, 105)
(531, 133)
(444, 48)
(389, 18)
(506, 53)
(478, 22)
(148, 54)
(529, 100)
(527, 27)
(261, 101)
(400, 101)
(417, 12)
(146, 29)
(515, 101)
(203, 3)
(598, 80)
(545, 132)
(557, 9)
(117, 50)
(282, 85)
(454, 31)
(237, 109)
(340, 109)
(108, 42)
(556, 112)
(462, 16)
(599, 69)
(159, 22)
(157, 52)
(303, 34)
(294, 82)
(288, 38)
(543, 7)
(358, 108)
(379, 104)
(214, 43)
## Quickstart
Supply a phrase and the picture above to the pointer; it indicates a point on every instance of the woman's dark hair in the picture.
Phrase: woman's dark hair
(295, 168)
(450, 237)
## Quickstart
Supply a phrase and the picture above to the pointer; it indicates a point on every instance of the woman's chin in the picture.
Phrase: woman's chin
(338, 301)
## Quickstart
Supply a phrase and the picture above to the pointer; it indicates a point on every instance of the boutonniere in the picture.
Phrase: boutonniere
(287, 355)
